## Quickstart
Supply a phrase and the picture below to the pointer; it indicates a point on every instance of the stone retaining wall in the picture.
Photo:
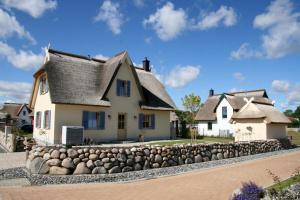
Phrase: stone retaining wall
(93, 160)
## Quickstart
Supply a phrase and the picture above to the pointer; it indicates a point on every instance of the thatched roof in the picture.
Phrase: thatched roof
(267, 112)
(75, 79)
(236, 99)
(12, 109)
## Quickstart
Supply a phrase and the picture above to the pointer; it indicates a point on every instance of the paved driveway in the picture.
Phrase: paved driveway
(216, 183)
(11, 160)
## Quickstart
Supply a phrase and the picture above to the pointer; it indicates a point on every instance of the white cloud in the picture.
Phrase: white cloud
(15, 91)
(25, 60)
(180, 76)
(139, 3)
(225, 15)
(148, 40)
(245, 52)
(290, 91)
(35, 8)
(293, 96)
(281, 27)
(239, 76)
(232, 90)
(101, 57)
(167, 21)
(111, 15)
(9, 26)
(280, 86)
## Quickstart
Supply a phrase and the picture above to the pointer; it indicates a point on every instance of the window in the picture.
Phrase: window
(38, 119)
(209, 125)
(224, 112)
(43, 85)
(93, 120)
(121, 121)
(123, 88)
(47, 119)
(24, 112)
(147, 121)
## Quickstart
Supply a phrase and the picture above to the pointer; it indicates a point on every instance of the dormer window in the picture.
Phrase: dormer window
(123, 88)
(43, 85)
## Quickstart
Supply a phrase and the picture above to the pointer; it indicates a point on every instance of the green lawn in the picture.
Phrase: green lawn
(285, 183)
(204, 140)
(295, 137)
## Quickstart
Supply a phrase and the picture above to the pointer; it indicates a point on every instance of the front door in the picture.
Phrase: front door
(122, 126)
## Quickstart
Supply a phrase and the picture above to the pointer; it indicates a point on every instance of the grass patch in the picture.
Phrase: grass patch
(284, 184)
(295, 137)
(198, 141)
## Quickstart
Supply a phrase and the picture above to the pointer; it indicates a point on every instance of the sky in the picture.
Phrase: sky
(193, 46)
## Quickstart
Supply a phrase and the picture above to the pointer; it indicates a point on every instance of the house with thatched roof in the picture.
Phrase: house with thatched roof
(112, 99)
(16, 114)
(246, 115)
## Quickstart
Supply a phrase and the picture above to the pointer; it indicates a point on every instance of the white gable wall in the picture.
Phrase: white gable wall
(220, 126)
(224, 124)
(24, 119)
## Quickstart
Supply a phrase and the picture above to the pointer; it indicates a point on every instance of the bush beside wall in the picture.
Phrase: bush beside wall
(99, 160)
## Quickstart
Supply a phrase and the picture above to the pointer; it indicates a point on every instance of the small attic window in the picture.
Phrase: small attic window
(43, 85)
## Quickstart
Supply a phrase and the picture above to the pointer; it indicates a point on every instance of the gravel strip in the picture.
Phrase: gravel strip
(37, 179)
(12, 173)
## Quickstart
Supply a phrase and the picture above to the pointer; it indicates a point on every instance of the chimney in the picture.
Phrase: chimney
(146, 65)
(211, 92)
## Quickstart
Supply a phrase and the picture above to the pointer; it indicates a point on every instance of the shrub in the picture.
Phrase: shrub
(249, 191)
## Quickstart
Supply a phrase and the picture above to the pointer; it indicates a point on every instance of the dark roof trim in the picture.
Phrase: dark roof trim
(78, 104)
(75, 55)
(245, 91)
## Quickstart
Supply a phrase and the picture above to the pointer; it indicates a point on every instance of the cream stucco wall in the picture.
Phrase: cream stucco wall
(42, 104)
(71, 115)
(276, 131)
(250, 129)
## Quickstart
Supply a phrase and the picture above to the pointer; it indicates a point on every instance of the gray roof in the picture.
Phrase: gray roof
(236, 99)
(75, 79)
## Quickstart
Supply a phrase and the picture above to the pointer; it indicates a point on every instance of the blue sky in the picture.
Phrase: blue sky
(192, 45)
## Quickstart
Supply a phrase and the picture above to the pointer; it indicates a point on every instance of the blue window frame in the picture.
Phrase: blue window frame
(38, 119)
(123, 88)
(146, 121)
(47, 119)
(93, 120)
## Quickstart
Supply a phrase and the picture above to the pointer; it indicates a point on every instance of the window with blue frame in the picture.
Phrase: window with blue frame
(93, 120)
(123, 88)
(47, 119)
(146, 121)
(224, 112)
(38, 119)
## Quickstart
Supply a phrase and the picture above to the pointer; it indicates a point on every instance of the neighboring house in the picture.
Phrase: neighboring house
(257, 121)
(17, 113)
(111, 99)
(215, 117)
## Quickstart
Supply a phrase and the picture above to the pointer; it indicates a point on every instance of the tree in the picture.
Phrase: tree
(191, 103)
(297, 113)
(288, 113)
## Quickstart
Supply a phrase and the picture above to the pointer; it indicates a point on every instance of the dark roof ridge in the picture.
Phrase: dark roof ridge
(245, 91)
(75, 55)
